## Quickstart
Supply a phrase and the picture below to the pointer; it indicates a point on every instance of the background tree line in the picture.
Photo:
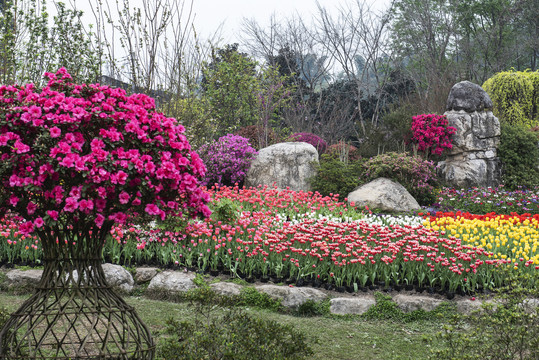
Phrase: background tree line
(354, 74)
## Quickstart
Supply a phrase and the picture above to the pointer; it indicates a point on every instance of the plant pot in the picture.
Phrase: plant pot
(264, 279)
(408, 287)
(73, 305)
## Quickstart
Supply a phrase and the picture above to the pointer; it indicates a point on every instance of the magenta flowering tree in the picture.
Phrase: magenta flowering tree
(431, 134)
(74, 160)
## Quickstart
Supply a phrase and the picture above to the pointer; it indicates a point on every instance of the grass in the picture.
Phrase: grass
(338, 337)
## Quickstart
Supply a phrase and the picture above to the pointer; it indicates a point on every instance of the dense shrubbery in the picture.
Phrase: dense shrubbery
(519, 154)
(515, 95)
(230, 333)
(315, 140)
(418, 176)
(227, 160)
(335, 176)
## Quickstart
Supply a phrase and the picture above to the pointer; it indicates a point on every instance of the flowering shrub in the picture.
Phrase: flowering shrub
(227, 160)
(312, 139)
(345, 152)
(418, 176)
(431, 134)
(258, 136)
(89, 152)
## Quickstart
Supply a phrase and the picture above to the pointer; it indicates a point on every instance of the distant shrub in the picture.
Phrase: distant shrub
(258, 136)
(345, 152)
(227, 160)
(519, 155)
(418, 176)
(335, 176)
(315, 140)
(515, 95)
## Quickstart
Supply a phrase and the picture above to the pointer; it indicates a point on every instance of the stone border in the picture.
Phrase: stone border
(289, 295)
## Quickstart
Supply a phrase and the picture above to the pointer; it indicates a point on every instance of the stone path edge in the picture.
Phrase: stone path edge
(289, 295)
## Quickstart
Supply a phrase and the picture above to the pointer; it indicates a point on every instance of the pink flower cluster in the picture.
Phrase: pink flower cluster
(431, 133)
(92, 153)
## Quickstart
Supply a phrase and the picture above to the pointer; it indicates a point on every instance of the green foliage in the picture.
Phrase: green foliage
(335, 176)
(313, 308)
(43, 45)
(249, 296)
(386, 309)
(231, 334)
(225, 210)
(515, 97)
(519, 155)
(418, 176)
(195, 114)
(505, 328)
(230, 84)
(398, 122)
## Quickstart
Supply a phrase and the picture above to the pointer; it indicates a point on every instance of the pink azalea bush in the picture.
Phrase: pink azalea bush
(88, 153)
(227, 160)
(315, 140)
(431, 133)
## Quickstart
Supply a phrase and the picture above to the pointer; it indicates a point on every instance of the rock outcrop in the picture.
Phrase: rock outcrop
(289, 164)
(383, 194)
(472, 161)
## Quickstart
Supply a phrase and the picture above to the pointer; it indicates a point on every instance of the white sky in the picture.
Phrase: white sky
(212, 13)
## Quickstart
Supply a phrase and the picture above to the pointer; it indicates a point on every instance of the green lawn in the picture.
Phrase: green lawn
(338, 337)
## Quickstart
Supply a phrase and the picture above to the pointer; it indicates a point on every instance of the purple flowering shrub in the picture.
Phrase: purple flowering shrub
(315, 140)
(227, 160)
(418, 176)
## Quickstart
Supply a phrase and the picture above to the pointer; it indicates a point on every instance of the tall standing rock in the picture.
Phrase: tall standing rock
(290, 164)
(472, 161)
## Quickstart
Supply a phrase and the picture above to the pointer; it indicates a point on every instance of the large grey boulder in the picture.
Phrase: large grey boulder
(143, 275)
(383, 194)
(292, 296)
(409, 303)
(174, 281)
(23, 279)
(469, 97)
(355, 305)
(118, 277)
(289, 164)
(472, 161)
(226, 288)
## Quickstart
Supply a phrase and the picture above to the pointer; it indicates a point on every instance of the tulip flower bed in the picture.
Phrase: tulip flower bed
(510, 237)
(305, 238)
(484, 200)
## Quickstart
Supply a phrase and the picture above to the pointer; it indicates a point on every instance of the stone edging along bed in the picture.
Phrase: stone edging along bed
(290, 296)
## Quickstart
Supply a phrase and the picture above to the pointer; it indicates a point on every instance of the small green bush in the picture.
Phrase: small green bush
(335, 176)
(418, 176)
(225, 210)
(506, 328)
(218, 333)
(515, 95)
(519, 155)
